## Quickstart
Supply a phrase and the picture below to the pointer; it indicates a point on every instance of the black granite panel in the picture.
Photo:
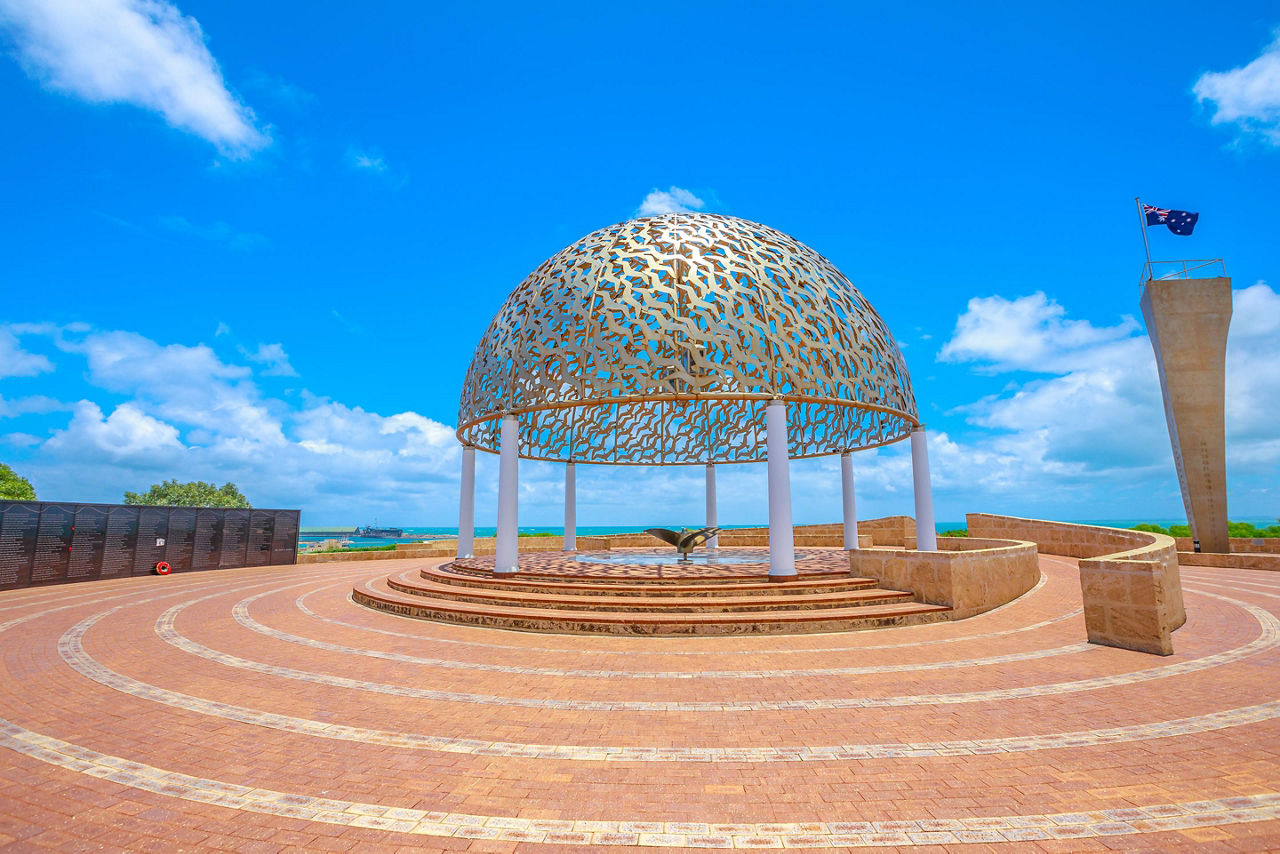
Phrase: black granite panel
(53, 543)
(235, 538)
(180, 549)
(284, 540)
(121, 541)
(18, 524)
(262, 526)
(208, 546)
(153, 539)
(88, 541)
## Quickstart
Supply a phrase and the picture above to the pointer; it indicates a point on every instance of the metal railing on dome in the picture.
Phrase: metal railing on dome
(1181, 269)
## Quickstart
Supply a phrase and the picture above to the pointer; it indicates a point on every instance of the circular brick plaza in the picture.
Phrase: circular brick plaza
(264, 710)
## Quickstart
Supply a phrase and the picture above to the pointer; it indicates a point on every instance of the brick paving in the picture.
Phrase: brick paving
(262, 710)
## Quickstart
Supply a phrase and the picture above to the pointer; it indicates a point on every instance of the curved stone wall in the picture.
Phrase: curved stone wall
(1130, 580)
(972, 575)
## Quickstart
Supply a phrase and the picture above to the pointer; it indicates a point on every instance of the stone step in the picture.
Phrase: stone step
(464, 567)
(381, 596)
(676, 587)
(539, 598)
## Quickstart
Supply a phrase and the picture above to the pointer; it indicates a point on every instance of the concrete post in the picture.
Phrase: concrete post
(926, 535)
(467, 504)
(850, 510)
(713, 542)
(508, 487)
(1187, 322)
(570, 507)
(782, 552)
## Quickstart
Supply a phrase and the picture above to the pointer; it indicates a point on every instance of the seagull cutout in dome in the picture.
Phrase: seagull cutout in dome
(684, 540)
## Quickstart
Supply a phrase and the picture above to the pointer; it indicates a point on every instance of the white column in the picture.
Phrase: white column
(926, 535)
(850, 510)
(467, 504)
(714, 542)
(782, 552)
(570, 507)
(508, 486)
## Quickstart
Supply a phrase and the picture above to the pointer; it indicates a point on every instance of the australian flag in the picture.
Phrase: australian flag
(1179, 222)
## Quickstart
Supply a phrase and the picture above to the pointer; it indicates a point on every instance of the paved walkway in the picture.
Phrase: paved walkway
(261, 710)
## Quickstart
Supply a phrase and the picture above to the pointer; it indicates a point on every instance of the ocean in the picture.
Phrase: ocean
(414, 534)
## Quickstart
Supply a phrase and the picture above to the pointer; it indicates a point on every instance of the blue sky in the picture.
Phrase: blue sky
(259, 242)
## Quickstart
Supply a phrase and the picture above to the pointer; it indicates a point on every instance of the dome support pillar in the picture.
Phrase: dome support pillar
(712, 542)
(926, 534)
(782, 552)
(850, 509)
(570, 507)
(467, 504)
(508, 487)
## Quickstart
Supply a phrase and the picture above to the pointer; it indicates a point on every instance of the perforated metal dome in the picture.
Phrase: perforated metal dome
(659, 341)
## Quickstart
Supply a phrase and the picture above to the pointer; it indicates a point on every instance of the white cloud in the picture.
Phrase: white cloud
(1248, 96)
(217, 232)
(36, 404)
(365, 160)
(1253, 373)
(671, 200)
(140, 52)
(191, 415)
(1077, 432)
(184, 385)
(1028, 333)
(17, 362)
(127, 435)
(282, 91)
(274, 358)
(1093, 424)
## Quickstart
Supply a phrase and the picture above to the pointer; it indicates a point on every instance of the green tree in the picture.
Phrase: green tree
(14, 486)
(194, 494)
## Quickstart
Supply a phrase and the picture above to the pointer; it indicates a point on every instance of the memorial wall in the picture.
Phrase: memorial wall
(43, 542)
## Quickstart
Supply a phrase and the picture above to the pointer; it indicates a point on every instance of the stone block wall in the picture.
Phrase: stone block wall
(1130, 581)
(888, 530)
(1125, 606)
(812, 536)
(1257, 560)
(1239, 545)
(971, 575)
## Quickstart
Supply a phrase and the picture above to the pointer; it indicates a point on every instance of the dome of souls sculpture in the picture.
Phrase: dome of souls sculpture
(659, 341)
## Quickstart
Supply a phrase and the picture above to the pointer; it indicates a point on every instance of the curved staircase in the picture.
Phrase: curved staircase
(732, 603)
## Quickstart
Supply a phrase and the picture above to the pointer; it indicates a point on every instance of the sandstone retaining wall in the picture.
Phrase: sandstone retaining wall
(1129, 579)
(1232, 561)
(1239, 545)
(971, 575)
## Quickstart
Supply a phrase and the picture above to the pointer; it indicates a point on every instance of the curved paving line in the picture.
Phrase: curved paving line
(71, 648)
(1264, 806)
(240, 612)
(1268, 639)
(97, 599)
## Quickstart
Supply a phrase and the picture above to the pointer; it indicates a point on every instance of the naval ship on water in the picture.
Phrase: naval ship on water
(374, 531)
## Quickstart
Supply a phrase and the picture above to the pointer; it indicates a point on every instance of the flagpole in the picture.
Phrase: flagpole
(1142, 223)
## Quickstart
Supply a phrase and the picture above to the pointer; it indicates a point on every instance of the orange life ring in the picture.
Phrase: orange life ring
(163, 568)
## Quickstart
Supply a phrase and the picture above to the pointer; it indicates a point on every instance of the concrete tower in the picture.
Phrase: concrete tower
(1187, 322)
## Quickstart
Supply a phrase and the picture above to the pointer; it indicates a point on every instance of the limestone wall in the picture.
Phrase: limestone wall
(972, 575)
(888, 530)
(1129, 579)
(811, 536)
(1257, 560)
(1239, 545)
